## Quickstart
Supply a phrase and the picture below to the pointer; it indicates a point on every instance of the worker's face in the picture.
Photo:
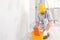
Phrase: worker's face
(42, 12)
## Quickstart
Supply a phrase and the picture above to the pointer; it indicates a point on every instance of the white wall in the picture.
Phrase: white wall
(9, 19)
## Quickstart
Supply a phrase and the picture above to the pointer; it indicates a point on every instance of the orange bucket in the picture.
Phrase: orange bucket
(36, 34)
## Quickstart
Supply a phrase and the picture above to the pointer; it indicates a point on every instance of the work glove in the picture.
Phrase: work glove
(45, 33)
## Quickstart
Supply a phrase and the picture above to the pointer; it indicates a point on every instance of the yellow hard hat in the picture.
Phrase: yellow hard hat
(40, 7)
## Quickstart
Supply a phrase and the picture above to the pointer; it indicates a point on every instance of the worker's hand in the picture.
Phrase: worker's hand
(45, 33)
(36, 25)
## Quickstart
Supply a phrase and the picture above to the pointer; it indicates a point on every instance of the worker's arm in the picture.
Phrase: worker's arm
(49, 24)
(48, 27)
(50, 20)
